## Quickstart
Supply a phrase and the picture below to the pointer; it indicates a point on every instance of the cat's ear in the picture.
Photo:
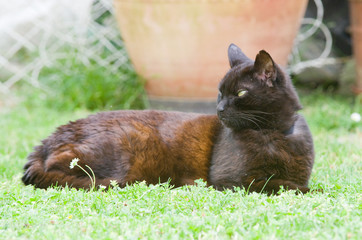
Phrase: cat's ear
(265, 69)
(236, 56)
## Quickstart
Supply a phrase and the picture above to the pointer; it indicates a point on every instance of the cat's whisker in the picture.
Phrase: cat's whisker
(249, 116)
(261, 112)
(261, 119)
(258, 114)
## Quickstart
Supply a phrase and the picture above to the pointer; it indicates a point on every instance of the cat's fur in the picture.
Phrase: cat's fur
(256, 141)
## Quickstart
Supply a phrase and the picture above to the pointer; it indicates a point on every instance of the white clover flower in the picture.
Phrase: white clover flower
(102, 187)
(113, 183)
(356, 117)
(74, 163)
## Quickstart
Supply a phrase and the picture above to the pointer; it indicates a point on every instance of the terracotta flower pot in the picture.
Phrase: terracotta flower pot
(180, 47)
(356, 29)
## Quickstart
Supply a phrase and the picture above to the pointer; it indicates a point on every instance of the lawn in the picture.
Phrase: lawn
(197, 212)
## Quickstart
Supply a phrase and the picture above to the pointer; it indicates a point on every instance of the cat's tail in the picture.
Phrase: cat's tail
(35, 173)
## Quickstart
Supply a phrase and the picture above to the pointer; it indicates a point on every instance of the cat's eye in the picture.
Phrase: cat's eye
(242, 92)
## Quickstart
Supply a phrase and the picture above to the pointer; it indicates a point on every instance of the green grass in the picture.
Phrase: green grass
(196, 212)
(70, 84)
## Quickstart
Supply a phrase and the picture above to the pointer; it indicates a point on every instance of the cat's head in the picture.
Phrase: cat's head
(256, 94)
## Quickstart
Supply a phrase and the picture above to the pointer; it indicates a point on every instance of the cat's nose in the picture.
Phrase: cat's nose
(220, 107)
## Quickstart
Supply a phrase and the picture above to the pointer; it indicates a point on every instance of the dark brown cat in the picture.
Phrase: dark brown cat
(257, 141)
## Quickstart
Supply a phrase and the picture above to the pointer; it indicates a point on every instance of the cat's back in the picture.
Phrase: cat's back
(162, 123)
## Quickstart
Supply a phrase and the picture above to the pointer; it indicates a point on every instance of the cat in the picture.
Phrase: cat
(256, 141)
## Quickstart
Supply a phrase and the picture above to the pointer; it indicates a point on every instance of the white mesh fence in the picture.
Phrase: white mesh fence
(37, 33)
